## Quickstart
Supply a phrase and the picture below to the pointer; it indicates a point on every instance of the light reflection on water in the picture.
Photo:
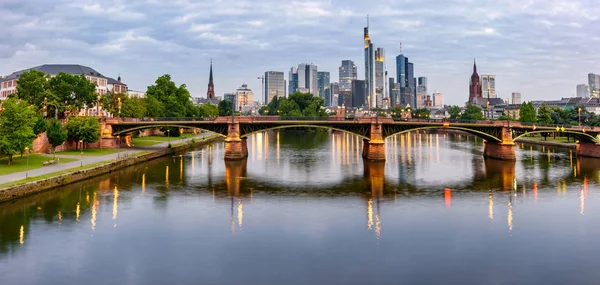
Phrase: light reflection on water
(306, 209)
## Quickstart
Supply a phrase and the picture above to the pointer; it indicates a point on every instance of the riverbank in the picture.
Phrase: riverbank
(546, 143)
(48, 181)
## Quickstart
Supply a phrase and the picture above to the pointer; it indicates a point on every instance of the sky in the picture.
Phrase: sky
(541, 48)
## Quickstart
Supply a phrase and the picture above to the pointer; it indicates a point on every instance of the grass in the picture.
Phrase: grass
(53, 174)
(91, 152)
(154, 140)
(19, 164)
(550, 139)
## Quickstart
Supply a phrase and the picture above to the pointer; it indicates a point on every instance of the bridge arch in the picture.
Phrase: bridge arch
(255, 131)
(477, 133)
(581, 136)
(144, 127)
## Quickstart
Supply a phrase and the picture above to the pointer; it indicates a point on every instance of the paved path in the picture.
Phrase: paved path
(89, 160)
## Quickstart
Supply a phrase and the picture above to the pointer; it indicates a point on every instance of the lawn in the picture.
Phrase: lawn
(53, 174)
(19, 164)
(550, 139)
(154, 140)
(91, 152)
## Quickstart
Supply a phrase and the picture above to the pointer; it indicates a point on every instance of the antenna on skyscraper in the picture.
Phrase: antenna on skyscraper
(400, 47)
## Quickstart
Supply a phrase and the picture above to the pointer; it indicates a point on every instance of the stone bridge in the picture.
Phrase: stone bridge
(499, 135)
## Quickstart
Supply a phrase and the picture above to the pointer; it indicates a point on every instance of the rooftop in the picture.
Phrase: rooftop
(54, 69)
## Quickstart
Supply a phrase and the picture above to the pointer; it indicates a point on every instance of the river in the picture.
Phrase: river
(305, 209)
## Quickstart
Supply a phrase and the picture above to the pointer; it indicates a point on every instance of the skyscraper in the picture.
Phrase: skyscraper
(324, 86)
(245, 97)
(274, 85)
(210, 93)
(334, 89)
(438, 99)
(379, 76)
(583, 91)
(359, 96)
(475, 91)
(405, 78)
(369, 69)
(421, 91)
(293, 80)
(394, 92)
(516, 98)
(488, 86)
(304, 79)
(594, 83)
(347, 74)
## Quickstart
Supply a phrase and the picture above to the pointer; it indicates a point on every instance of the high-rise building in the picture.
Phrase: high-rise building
(245, 97)
(379, 76)
(516, 98)
(293, 80)
(488, 86)
(594, 83)
(323, 83)
(369, 70)
(231, 98)
(583, 91)
(274, 85)
(359, 96)
(335, 90)
(421, 92)
(405, 78)
(475, 91)
(438, 99)
(347, 74)
(210, 93)
(394, 91)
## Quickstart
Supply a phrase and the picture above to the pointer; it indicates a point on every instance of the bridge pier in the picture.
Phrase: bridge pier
(588, 149)
(374, 148)
(236, 148)
(504, 150)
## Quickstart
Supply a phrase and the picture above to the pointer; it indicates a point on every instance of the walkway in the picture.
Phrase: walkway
(87, 160)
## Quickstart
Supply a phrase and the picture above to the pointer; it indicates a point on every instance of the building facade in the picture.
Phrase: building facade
(475, 90)
(421, 92)
(488, 86)
(583, 91)
(438, 99)
(293, 80)
(336, 91)
(369, 70)
(324, 85)
(359, 96)
(394, 92)
(515, 98)
(405, 78)
(379, 77)
(244, 97)
(274, 86)
(594, 84)
(304, 79)
(347, 73)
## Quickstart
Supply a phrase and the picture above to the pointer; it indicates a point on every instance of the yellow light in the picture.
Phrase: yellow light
(22, 234)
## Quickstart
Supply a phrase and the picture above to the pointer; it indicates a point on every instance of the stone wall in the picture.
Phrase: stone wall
(499, 151)
(14, 192)
(588, 149)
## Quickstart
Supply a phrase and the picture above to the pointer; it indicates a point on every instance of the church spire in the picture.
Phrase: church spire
(474, 66)
(210, 94)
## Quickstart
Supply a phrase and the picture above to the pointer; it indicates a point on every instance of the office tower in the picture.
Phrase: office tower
(438, 99)
(347, 74)
(292, 80)
(421, 92)
(394, 92)
(359, 96)
(245, 97)
(379, 76)
(594, 84)
(583, 91)
(405, 78)
(274, 85)
(369, 70)
(210, 93)
(475, 91)
(335, 89)
(323, 83)
(488, 86)
(516, 98)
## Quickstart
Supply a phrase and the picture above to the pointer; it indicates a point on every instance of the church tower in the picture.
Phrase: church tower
(210, 94)
(475, 91)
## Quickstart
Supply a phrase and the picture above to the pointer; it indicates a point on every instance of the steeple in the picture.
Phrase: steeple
(210, 93)
(474, 66)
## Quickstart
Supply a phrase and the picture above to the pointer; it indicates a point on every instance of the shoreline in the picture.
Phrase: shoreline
(37, 186)
(547, 143)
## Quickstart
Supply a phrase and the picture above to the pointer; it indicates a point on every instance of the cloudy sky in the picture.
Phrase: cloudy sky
(542, 48)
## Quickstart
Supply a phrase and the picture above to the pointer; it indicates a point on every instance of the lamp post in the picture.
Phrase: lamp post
(169, 136)
(488, 109)
(81, 153)
(579, 116)
(27, 165)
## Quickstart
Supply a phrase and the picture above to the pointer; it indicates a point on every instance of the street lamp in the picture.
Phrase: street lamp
(579, 116)
(169, 136)
(27, 165)
(81, 153)
(488, 109)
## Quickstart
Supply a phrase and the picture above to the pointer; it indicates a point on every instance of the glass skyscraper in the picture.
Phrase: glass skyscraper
(488, 86)
(347, 74)
(324, 86)
(594, 84)
(274, 85)
(405, 78)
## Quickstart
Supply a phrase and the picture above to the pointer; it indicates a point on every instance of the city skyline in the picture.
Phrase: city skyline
(542, 51)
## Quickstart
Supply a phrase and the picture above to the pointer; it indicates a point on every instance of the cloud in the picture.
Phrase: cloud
(541, 48)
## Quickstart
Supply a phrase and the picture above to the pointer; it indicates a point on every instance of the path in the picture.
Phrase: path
(87, 160)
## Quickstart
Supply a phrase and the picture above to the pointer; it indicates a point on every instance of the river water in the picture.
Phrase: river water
(305, 209)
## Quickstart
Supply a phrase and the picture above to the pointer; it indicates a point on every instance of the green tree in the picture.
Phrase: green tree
(56, 133)
(32, 86)
(422, 113)
(16, 127)
(40, 126)
(85, 129)
(527, 113)
(544, 115)
(225, 108)
(472, 113)
(154, 108)
(208, 110)
(133, 107)
(289, 108)
(72, 92)
(454, 112)
(165, 99)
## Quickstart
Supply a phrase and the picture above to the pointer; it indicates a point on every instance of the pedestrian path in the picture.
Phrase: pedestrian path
(87, 160)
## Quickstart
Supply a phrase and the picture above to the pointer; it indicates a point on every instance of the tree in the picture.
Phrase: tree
(454, 112)
(165, 99)
(16, 127)
(544, 115)
(472, 113)
(40, 126)
(422, 113)
(225, 108)
(32, 86)
(133, 107)
(85, 129)
(208, 110)
(57, 135)
(72, 92)
(527, 113)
